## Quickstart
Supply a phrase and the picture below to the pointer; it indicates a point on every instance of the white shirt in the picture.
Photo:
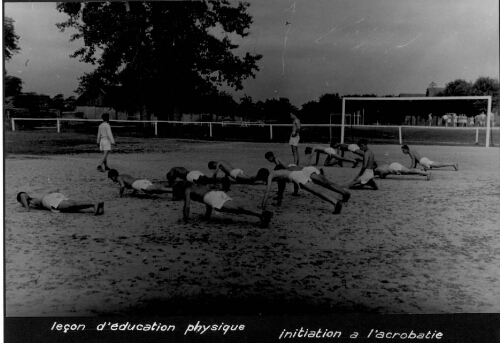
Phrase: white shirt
(105, 133)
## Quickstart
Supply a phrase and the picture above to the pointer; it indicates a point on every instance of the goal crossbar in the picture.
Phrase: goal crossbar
(479, 97)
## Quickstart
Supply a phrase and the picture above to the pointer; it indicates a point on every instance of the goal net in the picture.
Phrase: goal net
(417, 120)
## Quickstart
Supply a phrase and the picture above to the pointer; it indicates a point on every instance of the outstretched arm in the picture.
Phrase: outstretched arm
(268, 190)
(363, 168)
(208, 212)
(110, 135)
(24, 202)
(414, 161)
(187, 203)
(122, 187)
(216, 171)
(98, 136)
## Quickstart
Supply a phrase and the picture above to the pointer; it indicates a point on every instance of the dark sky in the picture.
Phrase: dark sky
(310, 47)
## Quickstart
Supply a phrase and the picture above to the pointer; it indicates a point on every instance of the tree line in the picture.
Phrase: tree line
(164, 54)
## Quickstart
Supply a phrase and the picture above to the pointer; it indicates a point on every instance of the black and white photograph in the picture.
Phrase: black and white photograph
(251, 159)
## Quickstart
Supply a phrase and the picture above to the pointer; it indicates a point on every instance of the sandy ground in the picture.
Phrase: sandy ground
(414, 246)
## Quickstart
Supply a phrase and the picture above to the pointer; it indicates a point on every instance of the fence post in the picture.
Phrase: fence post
(13, 125)
(477, 136)
(156, 128)
(58, 126)
(271, 132)
(210, 130)
(400, 136)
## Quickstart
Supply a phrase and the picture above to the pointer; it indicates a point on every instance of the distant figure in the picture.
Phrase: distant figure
(471, 121)
(57, 202)
(218, 200)
(430, 119)
(104, 141)
(395, 168)
(445, 120)
(482, 119)
(366, 174)
(424, 161)
(295, 137)
(140, 185)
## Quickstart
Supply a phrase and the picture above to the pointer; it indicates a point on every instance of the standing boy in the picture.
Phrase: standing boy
(295, 138)
(104, 141)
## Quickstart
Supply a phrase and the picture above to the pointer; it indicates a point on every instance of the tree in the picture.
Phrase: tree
(163, 53)
(10, 39)
(278, 109)
(248, 109)
(13, 85)
(487, 86)
(482, 86)
(458, 87)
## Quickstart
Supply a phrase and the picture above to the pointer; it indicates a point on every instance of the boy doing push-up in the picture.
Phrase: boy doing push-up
(218, 200)
(141, 185)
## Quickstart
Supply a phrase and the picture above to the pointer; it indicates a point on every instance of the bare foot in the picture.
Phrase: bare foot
(99, 209)
(338, 208)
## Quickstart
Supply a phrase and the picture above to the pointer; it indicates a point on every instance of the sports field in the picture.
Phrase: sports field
(413, 246)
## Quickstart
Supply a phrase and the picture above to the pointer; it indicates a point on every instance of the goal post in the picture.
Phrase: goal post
(438, 98)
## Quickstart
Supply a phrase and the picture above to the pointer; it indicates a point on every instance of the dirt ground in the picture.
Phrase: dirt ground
(413, 246)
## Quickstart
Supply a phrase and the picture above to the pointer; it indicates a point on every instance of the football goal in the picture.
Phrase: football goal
(425, 120)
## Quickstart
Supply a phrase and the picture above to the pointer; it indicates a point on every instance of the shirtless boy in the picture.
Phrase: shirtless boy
(57, 202)
(332, 159)
(395, 168)
(302, 179)
(295, 138)
(424, 161)
(342, 148)
(366, 174)
(218, 200)
(196, 177)
(235, 174)
(277, 161)
(141, 185)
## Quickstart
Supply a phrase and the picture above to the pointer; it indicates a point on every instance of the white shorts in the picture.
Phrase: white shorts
(352, 147)
(235, 172)
(425, 162)
(330, 151)
(395, 167)
(53, 200)
(367, 176)
(310, 170)
(299, 177)
(294, 140)
(105, 145)
(141, 185)
(194, 175)
(291, 165)
(216, 199)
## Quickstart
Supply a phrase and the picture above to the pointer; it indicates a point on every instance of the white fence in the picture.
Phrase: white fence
(155, 123)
